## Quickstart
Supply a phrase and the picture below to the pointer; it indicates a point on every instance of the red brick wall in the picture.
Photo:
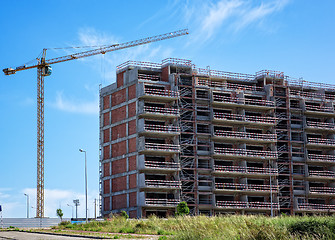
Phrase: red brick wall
(119, 184)
(106, 169)
(132, 92)
(118, 114)
(132, 145)
(165, 74)
(107, 152)
(132, 181)
(132, 127)
(119, 131)
(106, 135)
(107, 204)
(106, 186)
(133, 214)
(132, 163)
(119, 149)
(119, 201)
(119, 97)
(119, 166)
(119, 79)
(106, 102)
(106, 119)
(132, 199)
(131, 109)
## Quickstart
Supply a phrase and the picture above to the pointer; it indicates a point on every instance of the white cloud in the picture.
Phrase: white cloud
(75, 106)
(209, 19)
(60, 198)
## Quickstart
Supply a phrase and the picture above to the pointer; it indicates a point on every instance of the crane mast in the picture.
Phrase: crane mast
(44, 69)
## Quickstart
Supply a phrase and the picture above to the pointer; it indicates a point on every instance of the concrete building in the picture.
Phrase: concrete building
(223, 142)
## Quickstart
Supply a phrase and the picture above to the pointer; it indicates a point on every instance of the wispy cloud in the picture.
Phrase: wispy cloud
(60, 198)
(209, 18)
(75, 106)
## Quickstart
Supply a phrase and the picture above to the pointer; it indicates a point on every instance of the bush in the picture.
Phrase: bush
(162, 238)
(182, 209)
(127, 230)
(64, 223)
(124, 214)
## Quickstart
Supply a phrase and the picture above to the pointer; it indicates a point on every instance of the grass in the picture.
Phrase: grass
(231, 227)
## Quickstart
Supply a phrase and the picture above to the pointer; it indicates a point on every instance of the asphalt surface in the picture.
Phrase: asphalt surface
(5, 235)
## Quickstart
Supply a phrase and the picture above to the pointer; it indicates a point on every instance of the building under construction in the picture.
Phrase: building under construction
(222, 142)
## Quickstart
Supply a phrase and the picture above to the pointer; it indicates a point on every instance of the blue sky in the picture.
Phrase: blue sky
(245, 36)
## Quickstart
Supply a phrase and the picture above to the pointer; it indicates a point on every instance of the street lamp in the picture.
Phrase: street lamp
(81, 150)
(27, 204)
(72, 208)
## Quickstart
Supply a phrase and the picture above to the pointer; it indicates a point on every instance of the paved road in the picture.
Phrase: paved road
(34, 236)
(37, 236)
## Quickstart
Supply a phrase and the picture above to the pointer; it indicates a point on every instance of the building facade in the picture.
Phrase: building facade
(223, 142)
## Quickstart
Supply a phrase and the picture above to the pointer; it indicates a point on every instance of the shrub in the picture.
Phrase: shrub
(124, 214)
(182, 209)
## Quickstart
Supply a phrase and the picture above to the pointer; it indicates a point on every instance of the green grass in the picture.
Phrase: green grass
(233, 227)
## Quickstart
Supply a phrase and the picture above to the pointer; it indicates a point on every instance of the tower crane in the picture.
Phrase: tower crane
(44, 69)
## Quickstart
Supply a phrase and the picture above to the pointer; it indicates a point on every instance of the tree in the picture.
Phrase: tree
(59, 213)
(182, 209)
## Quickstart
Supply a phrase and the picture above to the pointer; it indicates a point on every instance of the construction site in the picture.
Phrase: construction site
(223, 142)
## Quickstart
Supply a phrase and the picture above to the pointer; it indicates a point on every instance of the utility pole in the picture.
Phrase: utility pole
(95, 208)
(81, 150)
(27, 204)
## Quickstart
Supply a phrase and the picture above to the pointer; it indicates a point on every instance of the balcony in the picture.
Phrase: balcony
(163, 95)
(161, 203)
(321, 191)
(311, 109)
(226, 85)
(247, 205)
(242, 102)
(253, 188)
(158, 130)
(243, 119)
(160, 185)
(311, 95)
(315, 207)
(153, 166)
(249, 171)
(244, 136)
(158, 148)
(321, 142)
(321, 158)
(311, 125)
(321, 175)
(243, 153)
(158, 112)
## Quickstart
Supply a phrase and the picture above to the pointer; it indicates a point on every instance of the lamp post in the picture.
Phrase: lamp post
(27, 204)
(81, 150)
(72, 208)
(76, 203)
